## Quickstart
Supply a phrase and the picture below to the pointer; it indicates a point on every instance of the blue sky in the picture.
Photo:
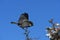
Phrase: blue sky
(40, 11)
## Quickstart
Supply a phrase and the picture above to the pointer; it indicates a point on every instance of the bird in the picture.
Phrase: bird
(23, 21)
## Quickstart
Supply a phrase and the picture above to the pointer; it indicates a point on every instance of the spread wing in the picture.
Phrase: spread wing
(23, 17)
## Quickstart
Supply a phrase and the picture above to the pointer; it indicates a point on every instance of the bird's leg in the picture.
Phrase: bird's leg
(26, 34)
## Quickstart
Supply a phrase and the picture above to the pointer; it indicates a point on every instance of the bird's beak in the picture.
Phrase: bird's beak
(13, 23)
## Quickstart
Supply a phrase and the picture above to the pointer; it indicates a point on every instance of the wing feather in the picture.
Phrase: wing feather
(23, 17)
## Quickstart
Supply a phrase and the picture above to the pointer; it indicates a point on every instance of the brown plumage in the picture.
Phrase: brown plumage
(23, 21)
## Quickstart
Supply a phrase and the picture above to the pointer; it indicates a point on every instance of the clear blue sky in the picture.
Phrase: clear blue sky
(40, 11)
